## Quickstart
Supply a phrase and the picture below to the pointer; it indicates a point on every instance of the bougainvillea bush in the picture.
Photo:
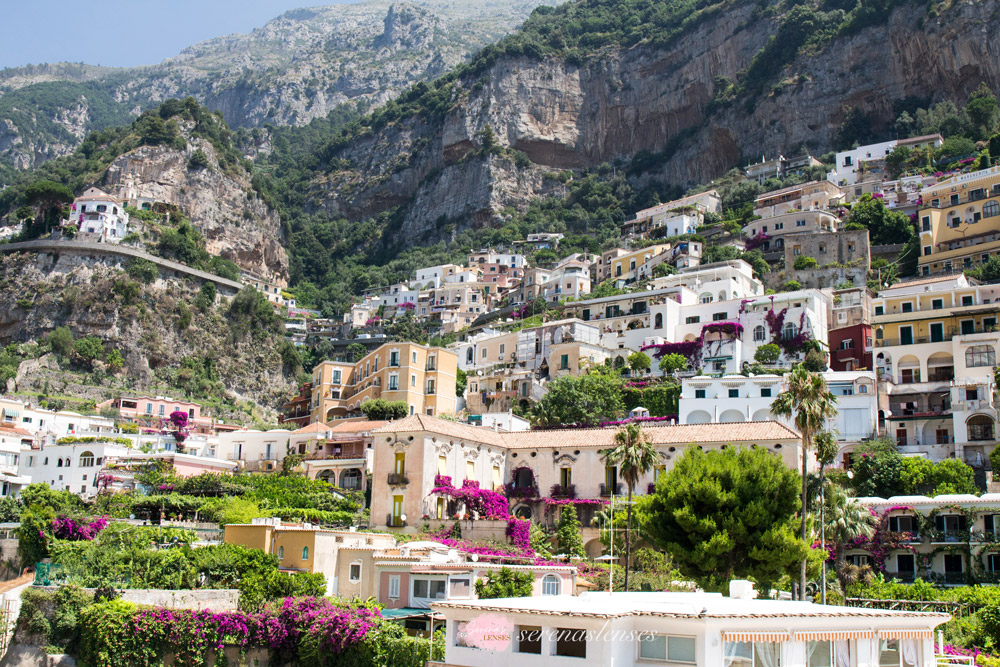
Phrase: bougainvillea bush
(68, 528)
(305, 630)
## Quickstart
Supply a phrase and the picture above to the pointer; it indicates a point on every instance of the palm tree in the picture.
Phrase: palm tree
(635, 456)
(826, 453)
(808, 403)
(846, 520)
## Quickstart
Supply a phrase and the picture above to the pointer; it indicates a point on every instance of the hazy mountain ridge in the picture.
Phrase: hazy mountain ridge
(298, 66)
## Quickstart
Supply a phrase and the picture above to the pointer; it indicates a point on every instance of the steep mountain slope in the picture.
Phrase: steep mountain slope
(679, 100)
(182, 157)
(296, 67)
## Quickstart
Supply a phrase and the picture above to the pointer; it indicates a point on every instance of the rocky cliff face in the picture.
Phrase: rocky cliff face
(236, 224)
(296, 67)
(563, 115)
(147, 332)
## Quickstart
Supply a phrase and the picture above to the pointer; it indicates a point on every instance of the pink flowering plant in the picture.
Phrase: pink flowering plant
(68, 528)
(306, 630)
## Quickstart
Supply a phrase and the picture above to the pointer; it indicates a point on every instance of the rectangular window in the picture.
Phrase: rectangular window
(394, 585)
(668, 647)
(905, 563)
(734, 393)
(393, 382)
(355, 573)
(906, 335)
(937, 304)
(907, 307)
(571, 642)
(699, 393)
(470, 470)
(459, 587)
(993, 562)
(765, 392)
(718, 317)
(692, 320)
(879, 310)
(529, 639)
(413, 380)
(564, 362)
(565, 477)
(967, 300)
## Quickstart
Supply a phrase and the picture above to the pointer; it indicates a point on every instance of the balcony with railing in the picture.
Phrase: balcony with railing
(397, 479)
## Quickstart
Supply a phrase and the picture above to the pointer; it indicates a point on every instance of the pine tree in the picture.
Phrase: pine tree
(568, 532)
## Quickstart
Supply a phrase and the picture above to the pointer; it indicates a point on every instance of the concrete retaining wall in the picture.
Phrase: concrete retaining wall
(224, 599)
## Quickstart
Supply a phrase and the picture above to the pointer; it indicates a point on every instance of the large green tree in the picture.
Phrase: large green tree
(726, 514)
(884, 225)
(634, 456)
(809, 404)
(585, 399)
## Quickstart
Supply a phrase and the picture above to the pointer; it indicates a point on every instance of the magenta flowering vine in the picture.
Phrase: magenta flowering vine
(306, 630)
(486, 503)
(67, 528)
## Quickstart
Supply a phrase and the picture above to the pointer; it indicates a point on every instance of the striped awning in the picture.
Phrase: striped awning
(832, 635)
(755, 636)
(910, 633)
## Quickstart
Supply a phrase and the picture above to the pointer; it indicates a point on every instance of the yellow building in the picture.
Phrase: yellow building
(959, 222)
(624, 267)
(306, 548)
(422, 377)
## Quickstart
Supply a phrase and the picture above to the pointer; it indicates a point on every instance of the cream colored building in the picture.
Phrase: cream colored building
(423, 377)
(936, 343)
(812, 196)
(411, 452)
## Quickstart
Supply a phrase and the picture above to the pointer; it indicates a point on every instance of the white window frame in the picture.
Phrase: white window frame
(350, 572)
(550, 580)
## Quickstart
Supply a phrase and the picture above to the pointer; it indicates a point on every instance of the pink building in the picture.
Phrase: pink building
(152, 412)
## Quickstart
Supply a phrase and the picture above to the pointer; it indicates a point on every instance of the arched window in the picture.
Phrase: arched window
(551, 585)
(980, 355)
(705, 298)
(658, 321)
(759, 333)
(790, 330)
(59, 463)
(86, 459)
(281, 553)
(469, 355)
(305, 553)
(991, 209)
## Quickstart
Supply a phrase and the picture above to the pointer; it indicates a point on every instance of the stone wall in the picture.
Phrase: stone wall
(223, 599)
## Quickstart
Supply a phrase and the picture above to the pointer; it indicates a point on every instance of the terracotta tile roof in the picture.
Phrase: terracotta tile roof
(356, 426)
(315, 427)
(595, 437)
(443, 427)
(658, 435)
(14, 430)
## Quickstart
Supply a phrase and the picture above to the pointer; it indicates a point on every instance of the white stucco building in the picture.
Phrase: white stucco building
(697, 629)
(99, 215)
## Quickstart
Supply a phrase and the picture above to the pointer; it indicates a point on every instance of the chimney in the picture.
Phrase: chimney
(741, 589)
